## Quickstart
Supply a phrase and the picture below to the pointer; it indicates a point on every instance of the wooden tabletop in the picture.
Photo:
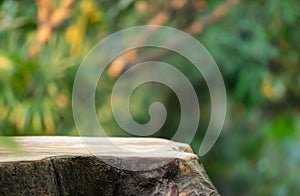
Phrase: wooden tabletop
(61, 165)
(40, 147)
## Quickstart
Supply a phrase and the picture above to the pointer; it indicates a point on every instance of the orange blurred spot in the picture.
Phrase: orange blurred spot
(45, 8)
(220, 12)
(200, 5)
(160, 19)
(34, 49)
(196, 28)
(142, 7)
(67, 3)
(118, 65)
(44, 33)
(59, 16)
(62, 100)
(177, 4)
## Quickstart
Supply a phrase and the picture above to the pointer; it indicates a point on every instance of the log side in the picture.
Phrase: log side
(64, 166)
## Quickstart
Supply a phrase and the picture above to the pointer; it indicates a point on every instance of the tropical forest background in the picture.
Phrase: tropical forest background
(256, 45)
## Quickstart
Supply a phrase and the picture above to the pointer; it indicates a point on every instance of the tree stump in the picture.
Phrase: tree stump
(65, 166)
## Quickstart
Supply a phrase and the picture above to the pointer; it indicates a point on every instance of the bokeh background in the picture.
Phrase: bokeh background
(256, 45)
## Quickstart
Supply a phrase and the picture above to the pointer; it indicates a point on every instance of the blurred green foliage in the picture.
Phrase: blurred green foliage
(257, 48)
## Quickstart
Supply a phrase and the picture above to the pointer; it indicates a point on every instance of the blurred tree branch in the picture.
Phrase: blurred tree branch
(197, 27)
(50, 16)
(161, 18)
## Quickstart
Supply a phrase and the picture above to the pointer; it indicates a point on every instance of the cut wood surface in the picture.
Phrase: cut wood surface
(102, 166)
